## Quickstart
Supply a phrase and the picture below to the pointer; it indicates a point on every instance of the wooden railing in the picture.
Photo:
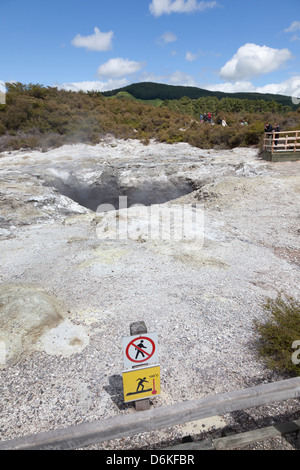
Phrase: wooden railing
(288, 141)
(124, 425)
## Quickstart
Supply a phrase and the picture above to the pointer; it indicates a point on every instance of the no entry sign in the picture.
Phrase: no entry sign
(140, 350)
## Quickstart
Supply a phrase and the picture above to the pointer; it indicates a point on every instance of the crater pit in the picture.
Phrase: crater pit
(108, 189)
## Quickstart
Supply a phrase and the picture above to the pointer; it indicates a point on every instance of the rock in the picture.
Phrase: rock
(5, 234)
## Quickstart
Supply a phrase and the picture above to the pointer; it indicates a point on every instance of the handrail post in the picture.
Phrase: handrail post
(273, 143)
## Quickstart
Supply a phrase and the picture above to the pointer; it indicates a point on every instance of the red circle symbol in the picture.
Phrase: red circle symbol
(146, 355)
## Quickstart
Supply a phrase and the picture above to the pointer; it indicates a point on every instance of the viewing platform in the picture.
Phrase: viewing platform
(281, 146)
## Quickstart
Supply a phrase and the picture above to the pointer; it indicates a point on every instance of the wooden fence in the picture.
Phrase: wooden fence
(288, 141)
(124, 425)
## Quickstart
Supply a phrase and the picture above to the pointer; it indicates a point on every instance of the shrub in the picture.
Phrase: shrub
(254, 133)
(55, 116)
(2, 129)
(278, 333)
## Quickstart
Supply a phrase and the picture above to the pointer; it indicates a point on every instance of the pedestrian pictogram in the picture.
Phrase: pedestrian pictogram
(140, 350)
(141, 383)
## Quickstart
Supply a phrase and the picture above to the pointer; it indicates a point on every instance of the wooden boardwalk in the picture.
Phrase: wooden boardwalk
(281, 146)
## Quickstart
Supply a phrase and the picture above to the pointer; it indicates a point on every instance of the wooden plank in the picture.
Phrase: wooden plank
(273, 143)
(288, 156)
(287, 150)
(128, 424)
(239, 440)
(290, 145)
(250, 437)
(205, 444)
(287, 132)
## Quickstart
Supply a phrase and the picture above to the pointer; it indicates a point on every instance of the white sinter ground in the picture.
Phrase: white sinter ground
(71, 283)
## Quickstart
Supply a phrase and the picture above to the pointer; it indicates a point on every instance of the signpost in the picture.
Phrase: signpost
(141, 375)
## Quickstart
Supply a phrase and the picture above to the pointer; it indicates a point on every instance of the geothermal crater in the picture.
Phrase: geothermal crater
(104, 193)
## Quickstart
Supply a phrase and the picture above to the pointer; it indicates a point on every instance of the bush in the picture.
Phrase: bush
(2, 129)
(278, 333)
(254, 133)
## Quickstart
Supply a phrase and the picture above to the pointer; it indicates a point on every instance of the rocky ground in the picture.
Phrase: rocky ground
(72, 282)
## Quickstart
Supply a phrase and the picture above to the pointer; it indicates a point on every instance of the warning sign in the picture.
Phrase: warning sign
(141, 383)
(140, 350)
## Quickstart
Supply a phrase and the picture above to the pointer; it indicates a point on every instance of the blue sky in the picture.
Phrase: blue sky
(226, 45)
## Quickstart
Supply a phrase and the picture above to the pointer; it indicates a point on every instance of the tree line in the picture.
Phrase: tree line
(225, 105)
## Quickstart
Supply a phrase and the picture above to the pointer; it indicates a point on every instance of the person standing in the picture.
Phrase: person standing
(269, 131)
(276, 129)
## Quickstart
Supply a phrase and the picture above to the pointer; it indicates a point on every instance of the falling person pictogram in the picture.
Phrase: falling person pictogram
(140, 386)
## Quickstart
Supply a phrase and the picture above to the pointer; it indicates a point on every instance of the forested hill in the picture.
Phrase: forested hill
(152, 91)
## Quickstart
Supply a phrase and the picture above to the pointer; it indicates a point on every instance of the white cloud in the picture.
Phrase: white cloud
(176, 78)
(190, 57)
(119, 67)
(229, 87)
(160, 7)
(93, 85)
(167, 37)
(96, 42)
(252, 59)
(295, 26)
(181, 78)
(289, 87)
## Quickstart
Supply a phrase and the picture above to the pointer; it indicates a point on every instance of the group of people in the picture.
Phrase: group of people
(269, 128)
(206, 117)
